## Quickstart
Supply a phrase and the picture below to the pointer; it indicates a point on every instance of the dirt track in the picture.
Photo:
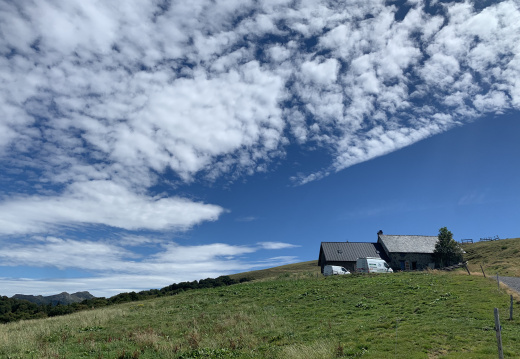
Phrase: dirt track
(511, 282)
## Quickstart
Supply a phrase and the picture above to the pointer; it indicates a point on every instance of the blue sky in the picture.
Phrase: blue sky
(144, 142)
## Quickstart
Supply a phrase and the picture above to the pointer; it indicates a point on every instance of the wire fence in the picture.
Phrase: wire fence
(482, 239)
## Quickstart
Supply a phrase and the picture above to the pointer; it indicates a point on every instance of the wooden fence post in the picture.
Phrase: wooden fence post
(499, 336)
(483, 271)
(498, 282)
(466, 266)
(511, 309)
(396, 325)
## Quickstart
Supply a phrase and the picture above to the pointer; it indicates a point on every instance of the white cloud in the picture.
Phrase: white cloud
(102, 202)
(64, 253)
(279, 53)
(276, 245)
(440, 70)
(495, 101)
(200, 254)
(320, 73)
(199, 119)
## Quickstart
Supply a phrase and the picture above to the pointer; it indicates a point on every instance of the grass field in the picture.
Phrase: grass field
(401, 315)
(501, 257)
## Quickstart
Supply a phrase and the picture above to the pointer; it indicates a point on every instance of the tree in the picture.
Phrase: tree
(447, 251)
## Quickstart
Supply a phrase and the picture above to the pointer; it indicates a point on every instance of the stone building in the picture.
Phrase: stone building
(400, 252)
(408, 252)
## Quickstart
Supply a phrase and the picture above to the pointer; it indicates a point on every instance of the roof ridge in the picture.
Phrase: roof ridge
(407, 235)
(349, 242)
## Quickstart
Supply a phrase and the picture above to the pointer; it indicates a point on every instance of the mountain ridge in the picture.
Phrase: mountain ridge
(62, 298)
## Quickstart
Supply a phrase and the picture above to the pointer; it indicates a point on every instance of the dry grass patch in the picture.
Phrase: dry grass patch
(47, 336)
(315, 350)
(146, 339)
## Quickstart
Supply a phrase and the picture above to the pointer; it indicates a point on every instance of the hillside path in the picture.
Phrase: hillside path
(511, 282)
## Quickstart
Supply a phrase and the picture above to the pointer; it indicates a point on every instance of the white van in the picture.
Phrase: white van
(372, 265)
(334, 270)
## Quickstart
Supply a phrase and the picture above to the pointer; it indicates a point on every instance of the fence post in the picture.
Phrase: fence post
(483, 271)
(499, 336)
(466, 266)
(396, 325)
(498, 282)
(511, 309)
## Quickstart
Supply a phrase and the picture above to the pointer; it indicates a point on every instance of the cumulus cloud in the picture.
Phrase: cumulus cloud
(119, 91)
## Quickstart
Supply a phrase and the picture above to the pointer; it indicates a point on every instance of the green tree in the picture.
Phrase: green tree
(447, 250)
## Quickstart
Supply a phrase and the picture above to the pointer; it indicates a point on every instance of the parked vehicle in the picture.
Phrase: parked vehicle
(334, 270)
(372, 265)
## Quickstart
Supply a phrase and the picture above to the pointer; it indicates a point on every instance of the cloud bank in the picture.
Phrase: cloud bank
(112, 268)
(124, 91)
(102, 203)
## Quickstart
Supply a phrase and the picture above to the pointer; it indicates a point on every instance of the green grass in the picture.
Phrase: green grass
(402, 315)
(501, 257)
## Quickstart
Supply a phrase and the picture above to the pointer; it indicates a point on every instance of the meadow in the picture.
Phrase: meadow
(299, 315)
(500, 257)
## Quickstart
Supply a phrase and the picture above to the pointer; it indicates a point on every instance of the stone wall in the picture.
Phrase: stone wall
(411, 261)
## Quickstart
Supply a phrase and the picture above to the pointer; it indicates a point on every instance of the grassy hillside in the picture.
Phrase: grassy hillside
(294, 270)
(501, 256)
(405, 315)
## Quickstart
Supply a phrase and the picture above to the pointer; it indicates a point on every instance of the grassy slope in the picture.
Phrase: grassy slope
(437, 315)
(289, 270)
(501, 256)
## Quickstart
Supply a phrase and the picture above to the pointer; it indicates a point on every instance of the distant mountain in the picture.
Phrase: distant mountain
(62, 298)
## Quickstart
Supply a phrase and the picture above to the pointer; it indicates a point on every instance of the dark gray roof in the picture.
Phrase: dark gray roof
(350, 251)
(409, 244)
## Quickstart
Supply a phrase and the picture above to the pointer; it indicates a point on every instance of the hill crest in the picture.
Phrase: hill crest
(62, 298)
